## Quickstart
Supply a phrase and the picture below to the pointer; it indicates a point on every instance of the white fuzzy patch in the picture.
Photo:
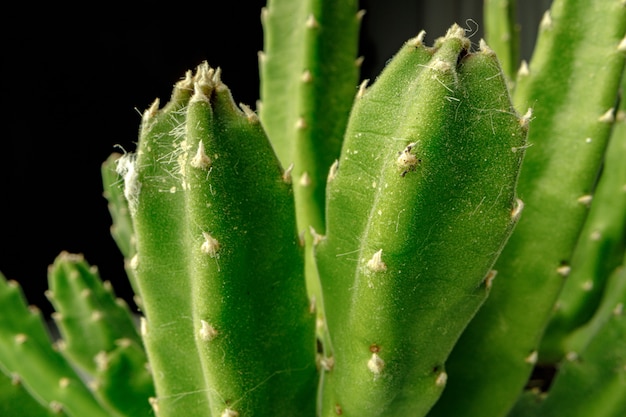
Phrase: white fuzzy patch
(126, 168)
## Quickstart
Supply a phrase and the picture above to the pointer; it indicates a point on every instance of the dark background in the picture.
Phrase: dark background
(75, 80)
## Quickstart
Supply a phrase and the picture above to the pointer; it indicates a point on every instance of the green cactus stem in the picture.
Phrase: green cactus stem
(99, 335)
(503, 33)
(89, 316)
(591, 380)
(309, 75)
(122, 227)
(16, 401)
(598, 252)
(228, 327)
(27, 355)
(123, 381)
(419, 206)
(571, 84)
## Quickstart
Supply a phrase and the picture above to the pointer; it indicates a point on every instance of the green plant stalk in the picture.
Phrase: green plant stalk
(99, 336)
(213, 209)
(27, 355)
(15, 400)
(122, 226)
(572, 85)
(599, 251)
(419, 205)
(89, 316)
(503, 34)
(259, 356)
(161, 266)
(309, 73)
(123, 381)
(591, 380)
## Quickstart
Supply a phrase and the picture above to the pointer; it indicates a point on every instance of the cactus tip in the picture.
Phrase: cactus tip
(56, 407)
(306, 76)
(96, 315)
(456, 31)
(622, 45)
(305, 179)
(564, 269)
(229, 413)
(210, 245)
(15, 379)
(207, 332)
(186, 83)
(418, 40)
(64, 382)
(317, 238)
(154, 403)
(262, 57)
(517, 209)
(143, 326)
(375, 364)
(491, 275)
(362, 89)
(134, 262)
(376, 264)
(608, 116)
(532, 358)
(332, 172)
(442, 379)
(301, 123)
(523, 70)
(485, 49)
(287, 178)
(524, 121)
(327, 363)
(546, 21)
(407, 161)
(311, 22)
(585, 200)
(151, 111)
(101, 360)
(251, 115)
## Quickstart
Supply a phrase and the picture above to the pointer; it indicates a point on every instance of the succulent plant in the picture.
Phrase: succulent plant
(447, 239)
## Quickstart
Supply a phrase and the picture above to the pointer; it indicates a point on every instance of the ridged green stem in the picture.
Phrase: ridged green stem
(571, 85)
(591, 379)
(99, 336)
(419, 206)
(15, 400)
(27, 355)
(599, 250)
(161, 265)
(122, 227)
(89, 316)
(309, 76)
(228, 325)
(503, 33)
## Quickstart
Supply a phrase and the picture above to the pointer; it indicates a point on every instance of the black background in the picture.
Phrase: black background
(75, 80)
